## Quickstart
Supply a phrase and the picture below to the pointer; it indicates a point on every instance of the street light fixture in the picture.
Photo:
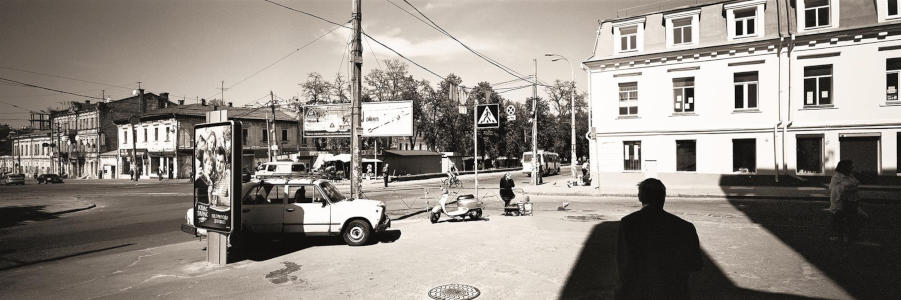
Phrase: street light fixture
(572, 101)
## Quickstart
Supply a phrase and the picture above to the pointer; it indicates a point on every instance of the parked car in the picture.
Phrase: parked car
(245, 175)
(14, 179)
(306, 207)
(49, 178)
(280, 169)
(548, 163)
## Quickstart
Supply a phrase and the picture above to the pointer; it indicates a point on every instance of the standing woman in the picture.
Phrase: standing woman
(506, 190)
(844, 202)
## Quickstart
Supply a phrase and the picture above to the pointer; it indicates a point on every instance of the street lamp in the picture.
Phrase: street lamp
(572, 101)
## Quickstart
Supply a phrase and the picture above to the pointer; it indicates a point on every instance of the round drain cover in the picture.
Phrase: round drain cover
(454, 291)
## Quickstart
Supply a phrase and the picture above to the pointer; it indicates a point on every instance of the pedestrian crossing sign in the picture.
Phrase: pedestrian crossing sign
(487, 116)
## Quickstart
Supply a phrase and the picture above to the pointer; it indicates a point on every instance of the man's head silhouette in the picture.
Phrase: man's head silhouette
(652, 192)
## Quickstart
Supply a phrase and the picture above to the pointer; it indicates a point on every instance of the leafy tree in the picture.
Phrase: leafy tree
(316, 89)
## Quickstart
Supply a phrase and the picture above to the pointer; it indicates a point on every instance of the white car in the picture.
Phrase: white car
(307, 206)
(280, 169)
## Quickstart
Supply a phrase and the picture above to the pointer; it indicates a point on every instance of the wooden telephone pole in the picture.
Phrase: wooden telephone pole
(356, 105)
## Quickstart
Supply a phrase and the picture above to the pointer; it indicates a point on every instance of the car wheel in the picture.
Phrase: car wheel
(357, 233)
(434, 217)
(475, 214)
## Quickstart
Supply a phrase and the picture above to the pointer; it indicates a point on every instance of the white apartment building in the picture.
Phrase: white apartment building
(767, 87)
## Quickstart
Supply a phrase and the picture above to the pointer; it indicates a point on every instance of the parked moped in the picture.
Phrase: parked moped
(467, 206)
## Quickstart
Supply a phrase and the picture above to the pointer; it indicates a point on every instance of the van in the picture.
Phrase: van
(280, 168)
(548, 162)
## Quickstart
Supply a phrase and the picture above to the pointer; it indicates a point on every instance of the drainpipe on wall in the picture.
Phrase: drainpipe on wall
(784, 130)
(776, 150)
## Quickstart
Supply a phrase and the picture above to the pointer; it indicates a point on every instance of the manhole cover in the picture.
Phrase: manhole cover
(454, 291)
(584, 218)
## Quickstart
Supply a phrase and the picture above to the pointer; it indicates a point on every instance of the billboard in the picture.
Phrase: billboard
(217, 176)
(387, 118)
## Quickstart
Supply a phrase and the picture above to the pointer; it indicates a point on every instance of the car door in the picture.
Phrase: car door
(308, 212)
(262, 209)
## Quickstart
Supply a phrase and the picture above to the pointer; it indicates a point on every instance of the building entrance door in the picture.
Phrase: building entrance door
(863, 151)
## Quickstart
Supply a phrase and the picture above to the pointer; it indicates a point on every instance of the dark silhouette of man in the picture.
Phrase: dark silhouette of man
(656, 251)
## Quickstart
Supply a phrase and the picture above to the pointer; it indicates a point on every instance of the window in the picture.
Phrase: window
(684, 94)
(265, 137)
(124, 136)
(167, 132)
(892, 8)
(156, 134)
(628, 38)
(244, 134)
(818, 85)
(816, 13)
(745, 22)
(628, 98)
(810, 155)
(892, 68)
(682, 31)
(145, 135)
(744, 155)
(284, 135)
(632, 155)
(745, 90)
(302, 194)
(685, 155)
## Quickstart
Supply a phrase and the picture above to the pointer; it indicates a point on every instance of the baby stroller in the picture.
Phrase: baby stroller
(519, 208)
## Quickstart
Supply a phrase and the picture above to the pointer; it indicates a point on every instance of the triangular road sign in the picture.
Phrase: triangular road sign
(487, 118)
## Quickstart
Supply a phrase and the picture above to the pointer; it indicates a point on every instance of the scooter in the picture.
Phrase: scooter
(467, 206)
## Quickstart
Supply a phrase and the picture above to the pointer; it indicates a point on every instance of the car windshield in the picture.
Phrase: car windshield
(332, 192)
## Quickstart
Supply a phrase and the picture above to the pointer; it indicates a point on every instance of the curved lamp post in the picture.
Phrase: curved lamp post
(572, 101)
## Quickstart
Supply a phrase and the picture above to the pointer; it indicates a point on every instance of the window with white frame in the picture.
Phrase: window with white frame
(628, 98)
(745, 90)
(745, 22)
(816, 13)
(892, 8)
(684, 95)
(818, 85)
(628, 38)
(892, 69)
(682, 31)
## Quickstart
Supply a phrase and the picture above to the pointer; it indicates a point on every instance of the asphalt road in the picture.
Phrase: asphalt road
(132, 216)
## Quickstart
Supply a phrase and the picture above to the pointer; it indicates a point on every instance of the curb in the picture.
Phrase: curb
(93, 205)
(709, 196)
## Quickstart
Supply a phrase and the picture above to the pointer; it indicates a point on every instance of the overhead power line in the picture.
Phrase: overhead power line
(47, 88)
(494, 62)
(364, 34)
(66, 77)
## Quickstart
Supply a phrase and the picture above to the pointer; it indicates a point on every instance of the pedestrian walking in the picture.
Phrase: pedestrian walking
(159, 171)
(506, 189)
(844, 202)
(385, 174)
(656, 251)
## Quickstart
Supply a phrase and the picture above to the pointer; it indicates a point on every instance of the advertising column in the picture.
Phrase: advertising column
(217, 189)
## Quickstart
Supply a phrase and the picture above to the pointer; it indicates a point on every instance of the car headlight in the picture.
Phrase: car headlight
(381, 204)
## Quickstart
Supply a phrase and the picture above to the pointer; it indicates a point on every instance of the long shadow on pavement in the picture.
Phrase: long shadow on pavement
(594, 274)
(865, 271)
(17, 215)
(262, 249)
(19, 264)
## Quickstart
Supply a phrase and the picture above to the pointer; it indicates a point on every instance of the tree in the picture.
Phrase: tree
(560, 95)
(340, 89)
(316, 89)
(216, 102)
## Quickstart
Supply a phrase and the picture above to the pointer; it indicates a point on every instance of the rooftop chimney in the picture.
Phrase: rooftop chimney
(229, 104)
(203, 102)
(142, 106)
(181, 102)
(87, 101)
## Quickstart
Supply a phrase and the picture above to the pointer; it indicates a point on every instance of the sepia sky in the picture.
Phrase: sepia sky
(187, 47)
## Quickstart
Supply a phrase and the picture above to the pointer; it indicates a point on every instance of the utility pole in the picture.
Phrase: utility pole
(268, 131)
(535, 161)
(475, 141)
(356, 106)
(222, 91)
(134, 136)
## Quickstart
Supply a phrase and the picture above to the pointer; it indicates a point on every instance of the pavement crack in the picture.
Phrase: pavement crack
(140, 257)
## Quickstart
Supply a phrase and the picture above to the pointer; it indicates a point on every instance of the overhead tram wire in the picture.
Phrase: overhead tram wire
(448, 34)
(364, 34)
(23, 84)
(295, 51)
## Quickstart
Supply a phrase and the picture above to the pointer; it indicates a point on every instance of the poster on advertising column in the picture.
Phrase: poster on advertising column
(216, 176)
(386, 118)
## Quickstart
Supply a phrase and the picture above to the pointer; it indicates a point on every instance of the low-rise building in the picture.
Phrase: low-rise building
(32, 153)
(163, 140)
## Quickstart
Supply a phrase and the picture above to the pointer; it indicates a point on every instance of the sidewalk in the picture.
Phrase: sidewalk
(700, 186)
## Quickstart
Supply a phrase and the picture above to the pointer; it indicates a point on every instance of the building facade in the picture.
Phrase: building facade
(161, 142)
(32, 154)
(767, 87)
(85, 130)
